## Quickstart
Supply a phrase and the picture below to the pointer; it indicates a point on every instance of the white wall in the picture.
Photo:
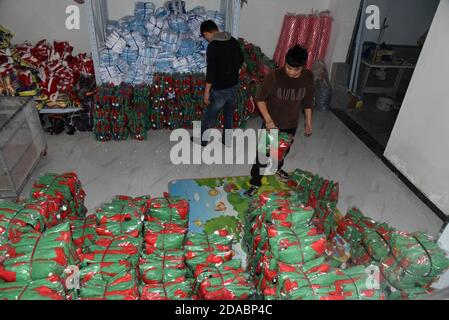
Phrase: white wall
(408, 20)
(419, 144)
(34, 20)
(344, 13)
(261, 20)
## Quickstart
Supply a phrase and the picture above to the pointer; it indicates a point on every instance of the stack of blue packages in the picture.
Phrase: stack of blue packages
(156, 40)
(144, 10)
(175, 6)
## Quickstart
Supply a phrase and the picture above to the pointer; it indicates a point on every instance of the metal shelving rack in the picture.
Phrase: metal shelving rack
(97, 14)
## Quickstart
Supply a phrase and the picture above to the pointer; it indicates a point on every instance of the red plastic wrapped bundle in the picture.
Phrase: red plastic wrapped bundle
(288, 38)
(119, 218)
(176, 290)
(280, 45)
(326, 30)
(163, 236)
(83, 232)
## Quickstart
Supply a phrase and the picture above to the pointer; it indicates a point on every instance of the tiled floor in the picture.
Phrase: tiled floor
(136, 168)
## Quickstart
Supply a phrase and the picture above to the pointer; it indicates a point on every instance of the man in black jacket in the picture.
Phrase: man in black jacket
(224, 60)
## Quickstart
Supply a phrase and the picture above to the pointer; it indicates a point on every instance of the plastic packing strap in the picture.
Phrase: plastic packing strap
(187, 46)
(178, 23)
(135, 41)
(110, 74)
(143, 10)
(314, 40)
(108, 57)
(198, 10)
(116, 42)
(326, 30)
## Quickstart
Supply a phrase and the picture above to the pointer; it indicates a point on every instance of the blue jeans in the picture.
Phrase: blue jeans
(220, 99)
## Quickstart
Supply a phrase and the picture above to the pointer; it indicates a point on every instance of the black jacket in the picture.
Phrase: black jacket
(224, 59)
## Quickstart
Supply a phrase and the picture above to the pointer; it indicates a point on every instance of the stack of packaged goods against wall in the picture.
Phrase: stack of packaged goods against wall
(162, 265)
(409, 262)
(138, 113)
(286, 254)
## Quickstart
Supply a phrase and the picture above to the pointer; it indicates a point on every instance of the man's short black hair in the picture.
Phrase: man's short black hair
(208, 26)
(297, 57)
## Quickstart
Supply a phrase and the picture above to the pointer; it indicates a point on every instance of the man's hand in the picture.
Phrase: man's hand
(270, 125)
(308, 130)
(206, 98)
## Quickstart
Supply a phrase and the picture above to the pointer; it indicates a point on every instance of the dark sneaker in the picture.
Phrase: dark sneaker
(251, 192)
(283, 175)
(203, 143)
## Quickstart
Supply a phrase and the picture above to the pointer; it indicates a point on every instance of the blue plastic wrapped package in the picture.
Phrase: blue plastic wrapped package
(164, 63)
(111, 74)
(149, 56)
(323, 87)
(200, 62)
(194, 22)
(136, 75)
(161, 12)
(178, 23)
(116, 42)
(111, 26)
(169, 41)
(187, 46)
(143, 10)
(108, 57)
(175, 6)
(181, 65)
(198, 10)
(155, 25)
(124, 22)
(130, 55)
(135, 41)
(216, 17)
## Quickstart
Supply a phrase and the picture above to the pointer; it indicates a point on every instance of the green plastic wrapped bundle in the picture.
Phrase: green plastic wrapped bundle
(333, 284)
(181, 290)
(142, 202)
(121, 287)
(63, 187)
(123, 250)
(368, 239)
(274, 145)
(83, 231)
(163, 266)
(306, 182)
(410, 294)
(226, 281)
(204, 249)
(107, 270)
(171, 210)
(297, 244)
(416, 261)
(45, 289)
(16, 220)
(163, 236)
(37, 256)
(119, 218)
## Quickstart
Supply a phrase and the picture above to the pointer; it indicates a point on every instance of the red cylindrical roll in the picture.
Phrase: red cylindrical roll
(289, 37)
(277, 53)
(325, 36)
(304, 23)
(314, 40)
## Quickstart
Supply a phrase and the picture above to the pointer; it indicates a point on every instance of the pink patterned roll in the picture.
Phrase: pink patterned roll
(304, 24)
(314, 40)
(288, 38)
(325, 36)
